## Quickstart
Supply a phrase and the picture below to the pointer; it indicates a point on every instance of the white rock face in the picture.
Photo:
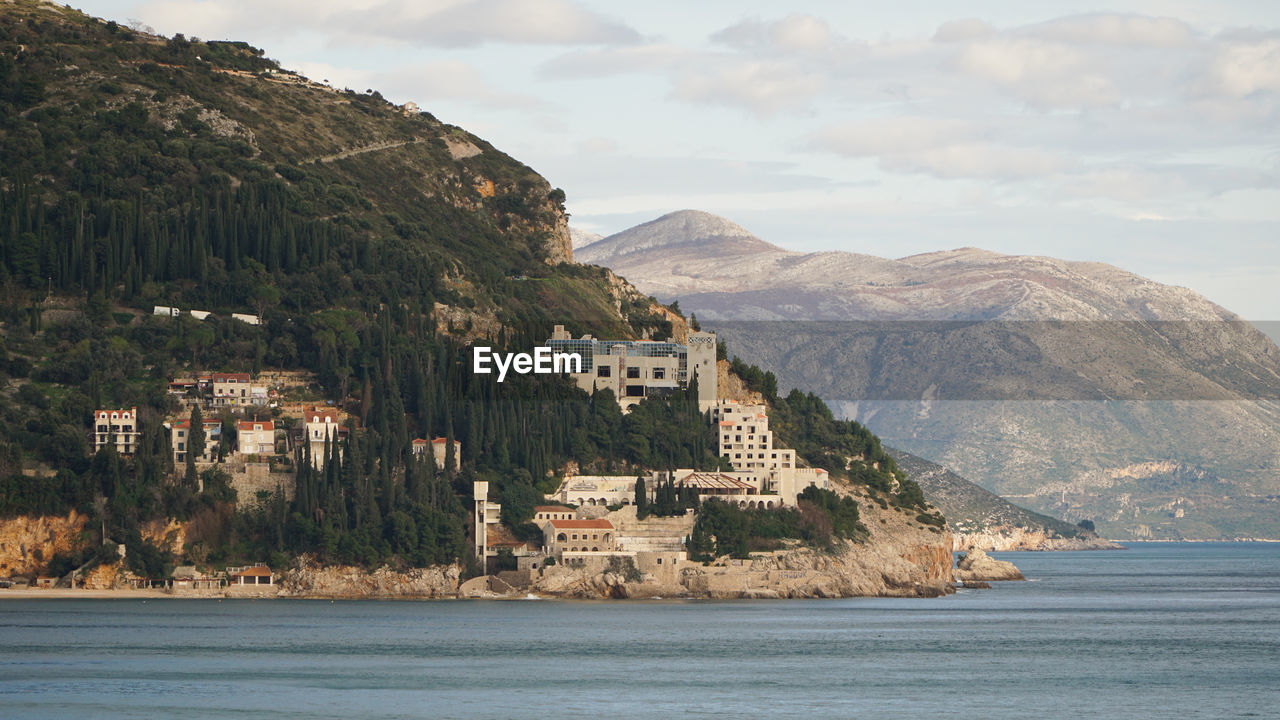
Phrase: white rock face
(582, 238)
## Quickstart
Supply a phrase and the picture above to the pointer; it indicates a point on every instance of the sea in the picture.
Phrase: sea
(1156, 631)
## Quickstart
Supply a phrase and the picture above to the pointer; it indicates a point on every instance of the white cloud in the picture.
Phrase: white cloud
(943, 148)
(1247, 66)
(763, 86)
(1114, 29)
(794, 33)
(435, 23)
(424, 83)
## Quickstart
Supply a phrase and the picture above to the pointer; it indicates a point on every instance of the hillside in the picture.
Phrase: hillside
(1046, 378)
(178, 211)
(978, 518)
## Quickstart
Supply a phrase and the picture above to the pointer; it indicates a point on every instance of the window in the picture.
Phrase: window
(633, 372)
(604, 371)
(659, 373)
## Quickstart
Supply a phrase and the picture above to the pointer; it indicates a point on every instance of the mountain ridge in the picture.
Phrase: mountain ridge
(1025, 371)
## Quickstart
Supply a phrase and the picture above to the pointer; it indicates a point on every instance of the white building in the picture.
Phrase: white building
(746, 441)
(320, 424)
(636, 369)
(116, 427)
(440, 451)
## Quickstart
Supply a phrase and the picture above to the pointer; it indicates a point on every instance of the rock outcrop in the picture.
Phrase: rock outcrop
(342, 581)
(27, 544)
(1015, 538)
(977, 566)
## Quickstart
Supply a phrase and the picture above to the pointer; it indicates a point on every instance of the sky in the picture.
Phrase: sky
(1143, 134)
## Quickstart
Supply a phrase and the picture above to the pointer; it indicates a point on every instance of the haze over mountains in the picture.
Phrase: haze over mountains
(1086, 391)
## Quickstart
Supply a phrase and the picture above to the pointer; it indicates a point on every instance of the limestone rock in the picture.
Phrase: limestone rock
(977, 565)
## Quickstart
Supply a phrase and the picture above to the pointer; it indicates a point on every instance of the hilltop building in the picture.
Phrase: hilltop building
(118, 428)
(636, 369)
(762, 477)
(180, 439)
(440, 451)
(256, 437)
(237, 389)
(320, 424)
(746, 441)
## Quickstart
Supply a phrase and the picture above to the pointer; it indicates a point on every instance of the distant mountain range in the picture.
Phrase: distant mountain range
(1079, 389)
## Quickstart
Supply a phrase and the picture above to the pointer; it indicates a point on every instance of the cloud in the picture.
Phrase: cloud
(1113, 29)
(942, 148)
(1246, 66)
(434, 23)
(425, 83)
(765, 87)
(794, 33)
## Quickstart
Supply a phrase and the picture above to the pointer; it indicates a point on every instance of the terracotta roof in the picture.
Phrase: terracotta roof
(726, 423)
(238, 377)
(248, 424)
(581, 524)
(442, 441)
(419, 441)
(255, 571)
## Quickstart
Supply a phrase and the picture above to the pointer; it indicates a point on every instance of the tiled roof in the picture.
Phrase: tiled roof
(581, 524)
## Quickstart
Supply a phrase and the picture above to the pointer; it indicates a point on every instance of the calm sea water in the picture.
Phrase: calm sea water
(1162, 630)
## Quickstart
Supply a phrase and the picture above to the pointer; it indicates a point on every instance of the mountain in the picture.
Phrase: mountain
(1083, 390)
(581, 238)
(686, 234)
(978, 518)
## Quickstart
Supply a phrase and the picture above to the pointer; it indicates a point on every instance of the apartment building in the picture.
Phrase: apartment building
(636, 369)
(118, 428)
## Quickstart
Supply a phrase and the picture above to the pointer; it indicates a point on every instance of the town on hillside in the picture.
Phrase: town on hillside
(258, 428)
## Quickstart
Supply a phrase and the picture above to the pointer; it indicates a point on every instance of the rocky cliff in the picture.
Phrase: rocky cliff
(901, 558)
(27, 544)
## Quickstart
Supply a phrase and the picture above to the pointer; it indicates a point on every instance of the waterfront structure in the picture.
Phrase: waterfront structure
(636, 369)
(256, 437)
(251, 575)
(574, 536)
(116, 428)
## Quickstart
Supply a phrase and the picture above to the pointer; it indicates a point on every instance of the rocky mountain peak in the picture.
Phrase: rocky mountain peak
(685, 229)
